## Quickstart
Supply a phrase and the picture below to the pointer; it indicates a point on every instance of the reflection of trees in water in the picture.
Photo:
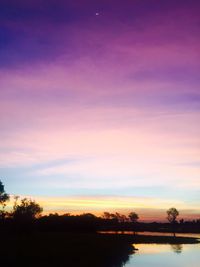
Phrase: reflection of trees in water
(177, 248)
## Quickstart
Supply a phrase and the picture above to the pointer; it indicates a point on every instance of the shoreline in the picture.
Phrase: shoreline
(76, 249)
(151, 239)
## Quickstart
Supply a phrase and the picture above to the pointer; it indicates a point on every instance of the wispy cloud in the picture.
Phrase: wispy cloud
(100, 102)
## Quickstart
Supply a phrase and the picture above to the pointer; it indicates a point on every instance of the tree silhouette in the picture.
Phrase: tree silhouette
(111, 216)
(4, 197)
(133, 217)
(121, 217)
(27, 210)
(172, 214)
(106, 215)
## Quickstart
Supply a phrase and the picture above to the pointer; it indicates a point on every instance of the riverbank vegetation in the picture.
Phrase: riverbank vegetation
(26, 215)
(30, 239)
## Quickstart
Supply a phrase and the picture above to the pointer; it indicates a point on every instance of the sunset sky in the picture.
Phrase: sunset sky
(100, 104)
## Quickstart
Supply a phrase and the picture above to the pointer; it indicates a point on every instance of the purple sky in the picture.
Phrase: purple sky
(100, 102)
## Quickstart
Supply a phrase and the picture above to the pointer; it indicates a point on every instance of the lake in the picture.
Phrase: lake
(161, 255)
(164, 255)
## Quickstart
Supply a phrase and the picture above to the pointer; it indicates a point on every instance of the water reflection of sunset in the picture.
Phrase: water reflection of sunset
(152, 249)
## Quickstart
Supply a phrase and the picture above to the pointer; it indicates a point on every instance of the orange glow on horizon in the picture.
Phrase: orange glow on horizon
(149, 209)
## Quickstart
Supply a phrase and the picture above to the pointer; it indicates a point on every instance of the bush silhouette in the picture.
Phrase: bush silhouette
(27, 210)
(4, 197)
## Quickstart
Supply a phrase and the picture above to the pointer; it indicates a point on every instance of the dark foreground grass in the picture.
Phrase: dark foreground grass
(63, 250)
(77, 250)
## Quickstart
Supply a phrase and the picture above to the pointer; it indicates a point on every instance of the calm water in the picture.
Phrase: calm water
(154, 255)
(164, 255)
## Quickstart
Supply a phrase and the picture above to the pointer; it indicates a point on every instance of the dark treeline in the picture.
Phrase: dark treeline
(26, 215)
(87, 222)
